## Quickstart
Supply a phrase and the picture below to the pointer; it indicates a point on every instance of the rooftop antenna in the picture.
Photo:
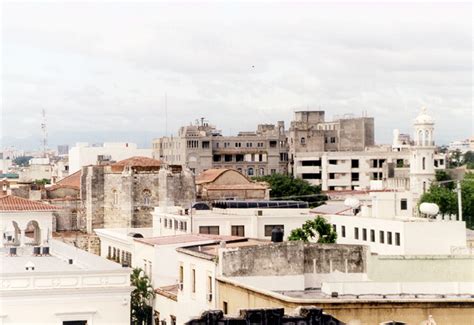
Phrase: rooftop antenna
(44, 140)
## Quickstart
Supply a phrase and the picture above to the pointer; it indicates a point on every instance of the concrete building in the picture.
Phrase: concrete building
(124, 194)
(406, 163)
(218, 184)
(310, 132)
(202, 147)
(83, 154)
(62, 286)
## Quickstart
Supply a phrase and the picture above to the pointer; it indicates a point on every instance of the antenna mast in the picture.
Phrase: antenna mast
(44, 140)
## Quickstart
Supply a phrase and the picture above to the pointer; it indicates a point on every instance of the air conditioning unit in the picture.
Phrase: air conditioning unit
(180, 286)
(209, 296)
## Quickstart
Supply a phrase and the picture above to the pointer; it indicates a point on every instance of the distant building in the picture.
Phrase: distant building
(463, 146)
(202, 147)
(82, 154)
(218, 184)
(63, 149)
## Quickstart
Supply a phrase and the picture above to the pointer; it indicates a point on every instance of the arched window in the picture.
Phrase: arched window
(250, 171)
(423, 162)
(115, 197)
(303, 141)
(427, 138)
(146, 197)
(420, 137)
(424, 187)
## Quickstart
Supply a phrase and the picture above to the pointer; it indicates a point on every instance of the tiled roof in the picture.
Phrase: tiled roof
(73, 180)
(249, 186)
(138, 161)
(210, 175)
(15, 203)
(182, 239)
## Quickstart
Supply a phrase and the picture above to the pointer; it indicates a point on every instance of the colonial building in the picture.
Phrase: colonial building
(124, 194)
(202, 147)
(218, 184)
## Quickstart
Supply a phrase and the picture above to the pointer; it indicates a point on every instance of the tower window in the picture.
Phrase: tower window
(424, 163)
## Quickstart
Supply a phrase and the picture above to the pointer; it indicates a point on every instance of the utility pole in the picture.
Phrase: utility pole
(458, 189)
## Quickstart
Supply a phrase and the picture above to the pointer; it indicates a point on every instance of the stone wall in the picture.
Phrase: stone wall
(294, 258)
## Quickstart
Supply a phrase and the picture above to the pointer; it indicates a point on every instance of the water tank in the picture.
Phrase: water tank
(277, 235)
(429, 209)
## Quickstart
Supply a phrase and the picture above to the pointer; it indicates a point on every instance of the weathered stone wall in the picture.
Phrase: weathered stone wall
(62, 192)
(294, 258)
(92, 197)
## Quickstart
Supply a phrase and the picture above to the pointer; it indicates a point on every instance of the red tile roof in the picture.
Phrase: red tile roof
(210, 175)
(138, 161)
(73, 181)
(15, 203)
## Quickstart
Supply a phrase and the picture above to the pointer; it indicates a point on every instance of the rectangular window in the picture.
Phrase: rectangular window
(403, 204)
(382, 237)
(269, 228)
(173, 319)
(205, 144)
(397, 238)
(176, 224)
(238, 231)
(343, 231)
(310, 176)
(356, 233)
(75, 322)
(216, 158)
(355, 177)
(389, 237)
(228, 157)
(181, 275)
(332, 175)
(193, 280)
(372, 235)
(273, 144)
(239, 157)
(210, 230)
(225, 307)
(355, 163)
(334, 227)
(364, 234)
(332, 161)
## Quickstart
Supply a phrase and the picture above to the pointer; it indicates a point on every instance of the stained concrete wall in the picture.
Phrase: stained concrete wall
(294, 258)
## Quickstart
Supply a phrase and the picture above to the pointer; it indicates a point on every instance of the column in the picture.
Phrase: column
(22, 237)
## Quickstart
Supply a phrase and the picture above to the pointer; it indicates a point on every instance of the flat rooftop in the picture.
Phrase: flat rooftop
(184, 238)
(212, 249)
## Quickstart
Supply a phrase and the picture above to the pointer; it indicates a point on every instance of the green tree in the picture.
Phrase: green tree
(454, 158)
(22, 161)
(287, 187)
(446, 199)
(443, 176)
(141, 298)
(43, 181)
(319, 226)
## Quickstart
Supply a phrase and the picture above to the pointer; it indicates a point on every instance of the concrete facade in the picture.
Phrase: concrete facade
(202, 146)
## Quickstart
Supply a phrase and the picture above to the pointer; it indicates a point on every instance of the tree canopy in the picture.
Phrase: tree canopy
(288, 188)
(311, 228)
(22, 161)
(446, 198)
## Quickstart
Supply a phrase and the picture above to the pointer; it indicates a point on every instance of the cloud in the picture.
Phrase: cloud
(102, 67)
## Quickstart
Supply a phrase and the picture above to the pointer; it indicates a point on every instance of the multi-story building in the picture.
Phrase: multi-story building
(202, 147)
(400, 165)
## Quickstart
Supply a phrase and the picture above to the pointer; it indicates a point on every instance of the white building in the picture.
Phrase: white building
(398, 166)
(82, 154)
(25, 222)
(66, 286)
(463, 146)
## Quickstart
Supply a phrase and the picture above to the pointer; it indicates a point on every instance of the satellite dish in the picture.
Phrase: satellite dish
(352, 202)
(429, 209)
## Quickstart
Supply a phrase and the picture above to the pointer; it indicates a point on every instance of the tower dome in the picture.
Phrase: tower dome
(424, 118)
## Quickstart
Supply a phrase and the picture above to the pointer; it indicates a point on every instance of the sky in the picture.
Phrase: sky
(103, 69)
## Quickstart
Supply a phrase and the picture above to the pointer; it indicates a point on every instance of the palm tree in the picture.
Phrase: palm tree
(141, 298)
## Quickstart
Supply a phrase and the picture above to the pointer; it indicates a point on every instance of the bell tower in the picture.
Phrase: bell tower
(422, 171)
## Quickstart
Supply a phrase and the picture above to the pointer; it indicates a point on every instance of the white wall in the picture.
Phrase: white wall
(82, 154)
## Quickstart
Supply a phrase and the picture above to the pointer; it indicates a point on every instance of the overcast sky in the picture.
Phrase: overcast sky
(101, 69)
